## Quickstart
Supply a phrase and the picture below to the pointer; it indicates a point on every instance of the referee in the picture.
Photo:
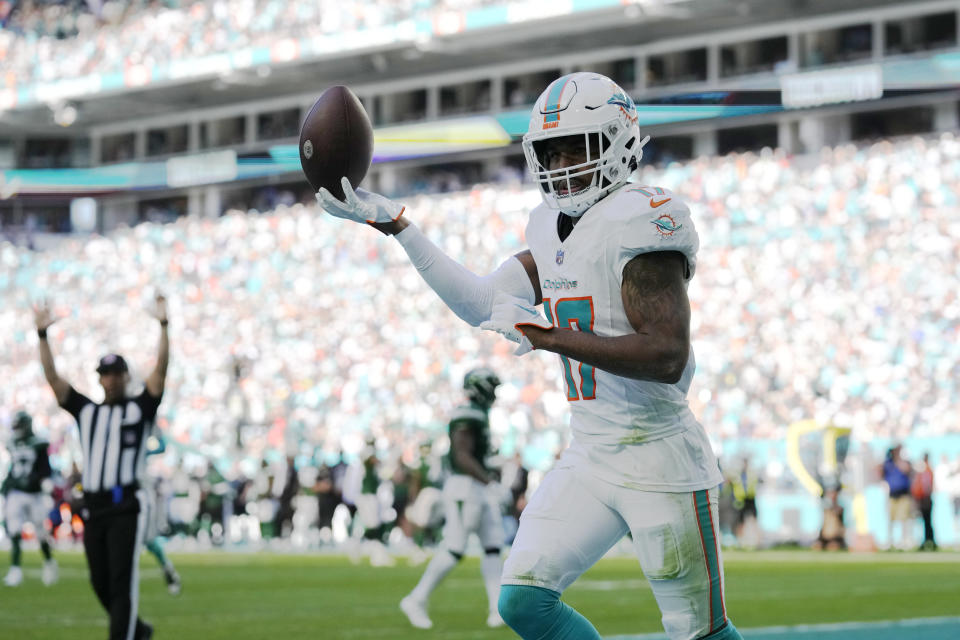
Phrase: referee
(113, 438)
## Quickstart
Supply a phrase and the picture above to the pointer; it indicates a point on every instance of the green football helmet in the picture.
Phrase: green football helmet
(481, 386)
(22, 425)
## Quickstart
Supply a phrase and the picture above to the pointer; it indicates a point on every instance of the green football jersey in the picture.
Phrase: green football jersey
(29, 465)
(475, 418)
(371, 479)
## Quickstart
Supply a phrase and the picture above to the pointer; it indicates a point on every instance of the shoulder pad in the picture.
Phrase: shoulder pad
(651, 219)
(540, 214)
(467, 414)
(632, 200)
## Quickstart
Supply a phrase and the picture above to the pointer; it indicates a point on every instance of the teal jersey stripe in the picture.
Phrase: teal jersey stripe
(708, 539)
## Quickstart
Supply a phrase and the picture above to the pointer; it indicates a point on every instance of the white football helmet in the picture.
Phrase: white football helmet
(592, 106)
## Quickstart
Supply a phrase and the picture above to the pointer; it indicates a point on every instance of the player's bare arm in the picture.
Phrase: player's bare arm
(44, 318)
(156, 379)
(655, 299)
(462, 443)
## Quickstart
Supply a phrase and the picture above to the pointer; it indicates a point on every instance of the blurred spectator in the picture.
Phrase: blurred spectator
(267, 505)
(922, 490)
(291, 487)
(833, 532)
(896, 473)
(948, 480)
(726, 510)
(327, 501)
(43, 41)
(744, 487)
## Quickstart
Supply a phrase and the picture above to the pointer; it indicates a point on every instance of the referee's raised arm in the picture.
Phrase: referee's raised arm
(158, 376)
(43, 319)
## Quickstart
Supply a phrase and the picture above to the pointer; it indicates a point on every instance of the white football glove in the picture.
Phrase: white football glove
(509, 316)
(359, 205)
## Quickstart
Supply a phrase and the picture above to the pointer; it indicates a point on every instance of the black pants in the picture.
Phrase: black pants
(112, 538)
(926, 512)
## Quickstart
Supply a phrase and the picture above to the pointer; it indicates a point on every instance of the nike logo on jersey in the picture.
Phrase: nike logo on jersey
(656, 203)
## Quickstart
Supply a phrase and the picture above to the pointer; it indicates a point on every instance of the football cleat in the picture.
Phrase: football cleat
(51, 572)
(14, 577)
(144, 631)
(173, 582)
(416, 613)
(494, 620)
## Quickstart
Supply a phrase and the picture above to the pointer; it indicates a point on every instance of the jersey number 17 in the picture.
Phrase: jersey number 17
(564, 314)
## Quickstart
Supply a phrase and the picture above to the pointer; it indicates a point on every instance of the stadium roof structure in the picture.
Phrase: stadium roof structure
(450, 42)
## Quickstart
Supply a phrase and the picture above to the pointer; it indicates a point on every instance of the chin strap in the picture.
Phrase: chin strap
(639, 154)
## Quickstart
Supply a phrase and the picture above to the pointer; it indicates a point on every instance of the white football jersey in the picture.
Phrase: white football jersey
(580, 279)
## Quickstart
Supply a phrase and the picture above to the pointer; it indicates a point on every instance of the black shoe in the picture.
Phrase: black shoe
(173, 582)
(144, 631)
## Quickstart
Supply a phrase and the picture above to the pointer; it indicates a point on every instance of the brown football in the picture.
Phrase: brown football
(336, 140)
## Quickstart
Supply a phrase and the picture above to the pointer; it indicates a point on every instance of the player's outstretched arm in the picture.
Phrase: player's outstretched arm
(157, 377)
(466, 294)
(654, 295)
(43, 318)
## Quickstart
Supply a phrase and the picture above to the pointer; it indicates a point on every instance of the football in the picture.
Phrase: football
(336, 140)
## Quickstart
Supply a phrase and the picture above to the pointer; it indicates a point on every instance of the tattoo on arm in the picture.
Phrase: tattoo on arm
(654, 292)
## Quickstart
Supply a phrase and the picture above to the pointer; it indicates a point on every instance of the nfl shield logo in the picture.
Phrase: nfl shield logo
(559, 256)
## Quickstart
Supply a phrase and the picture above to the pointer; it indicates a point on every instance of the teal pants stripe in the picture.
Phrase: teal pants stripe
(708, 539)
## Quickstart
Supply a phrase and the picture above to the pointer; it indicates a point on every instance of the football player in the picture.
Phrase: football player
(426, 511)
(362, 489)
(157, 517)
(26, 489)
(472, 502)
(610, 262)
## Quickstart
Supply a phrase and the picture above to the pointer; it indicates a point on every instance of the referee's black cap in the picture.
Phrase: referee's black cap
(112, 363)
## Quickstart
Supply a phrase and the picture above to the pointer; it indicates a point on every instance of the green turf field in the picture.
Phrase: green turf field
(234, 596)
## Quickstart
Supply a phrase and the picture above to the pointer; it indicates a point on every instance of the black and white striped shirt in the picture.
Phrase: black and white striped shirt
(113, 438)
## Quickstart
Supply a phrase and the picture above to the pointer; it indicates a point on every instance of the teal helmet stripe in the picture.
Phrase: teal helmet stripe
(552, 102)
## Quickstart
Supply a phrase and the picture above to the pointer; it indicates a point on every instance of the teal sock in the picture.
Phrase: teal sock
(156, 548)
(727, 632)
(45, 550)
(15, 550)
(536, 613)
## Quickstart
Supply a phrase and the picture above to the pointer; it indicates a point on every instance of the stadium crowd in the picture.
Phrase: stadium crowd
(826, 288)
(46, 40)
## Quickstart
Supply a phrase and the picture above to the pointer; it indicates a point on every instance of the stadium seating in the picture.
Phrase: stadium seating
(825, 289)
(46, 41)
